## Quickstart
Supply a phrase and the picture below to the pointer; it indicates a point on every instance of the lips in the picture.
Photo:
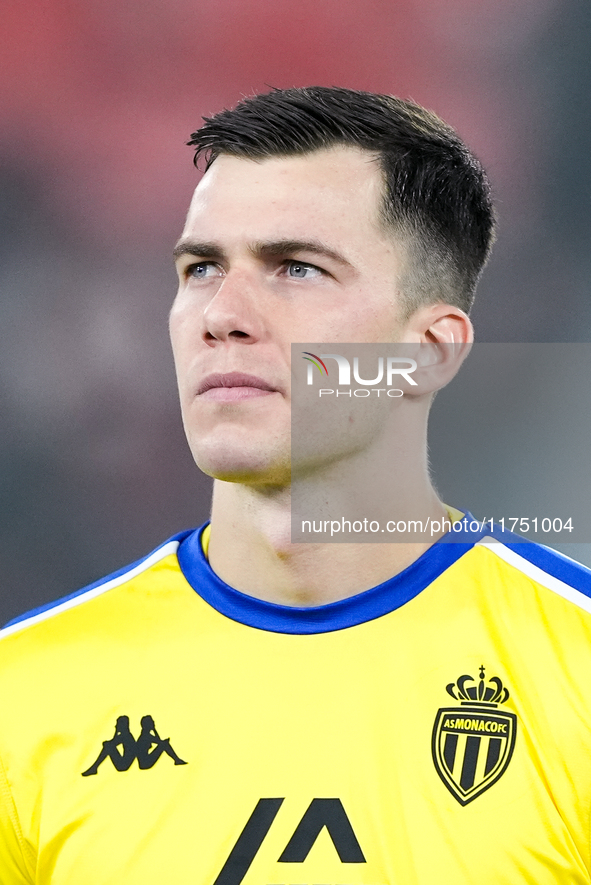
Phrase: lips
(233, 386)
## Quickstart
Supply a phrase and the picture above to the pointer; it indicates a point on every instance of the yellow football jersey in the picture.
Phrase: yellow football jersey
(161, 727)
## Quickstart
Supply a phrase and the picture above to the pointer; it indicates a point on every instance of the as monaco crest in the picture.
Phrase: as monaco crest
(473, 743)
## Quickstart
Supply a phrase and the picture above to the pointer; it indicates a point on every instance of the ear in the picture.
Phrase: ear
(444, 335)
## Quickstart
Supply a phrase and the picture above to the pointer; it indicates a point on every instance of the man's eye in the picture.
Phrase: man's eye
(202, 270)
(299, 270)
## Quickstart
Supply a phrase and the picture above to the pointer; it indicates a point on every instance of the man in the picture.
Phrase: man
(372, 714)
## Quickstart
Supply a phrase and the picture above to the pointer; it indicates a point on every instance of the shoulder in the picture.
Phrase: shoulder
(91, 602)
(535, 564)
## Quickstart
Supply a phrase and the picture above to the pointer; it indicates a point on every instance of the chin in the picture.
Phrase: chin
(242, 466)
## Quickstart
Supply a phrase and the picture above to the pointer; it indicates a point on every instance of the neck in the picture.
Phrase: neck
(251, 546)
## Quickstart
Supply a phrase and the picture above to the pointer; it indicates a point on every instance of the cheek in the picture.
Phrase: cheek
(175, 339)
(184, 326)
(381, 315)
(366, 321)
(181, 352)
(174, 321)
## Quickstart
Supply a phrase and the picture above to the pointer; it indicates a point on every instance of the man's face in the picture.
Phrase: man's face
(273, 252)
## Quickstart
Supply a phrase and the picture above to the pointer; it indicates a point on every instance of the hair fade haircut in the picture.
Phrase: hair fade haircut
(437, 197)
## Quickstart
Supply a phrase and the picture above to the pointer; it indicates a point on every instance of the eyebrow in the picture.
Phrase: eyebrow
(261, 249)
(277, 248)
(199, 250)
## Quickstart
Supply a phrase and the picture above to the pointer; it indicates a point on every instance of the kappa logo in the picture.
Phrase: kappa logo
(123, 749)
(473, 744)
(329, 813)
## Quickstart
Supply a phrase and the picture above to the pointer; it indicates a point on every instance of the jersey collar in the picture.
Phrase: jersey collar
(349, 612)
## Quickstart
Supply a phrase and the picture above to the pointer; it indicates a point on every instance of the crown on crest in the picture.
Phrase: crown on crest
(479, 692)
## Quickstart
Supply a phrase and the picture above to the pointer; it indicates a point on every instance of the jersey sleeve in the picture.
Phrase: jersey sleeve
(13, 866)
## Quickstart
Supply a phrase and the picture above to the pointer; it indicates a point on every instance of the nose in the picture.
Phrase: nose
(233, 312)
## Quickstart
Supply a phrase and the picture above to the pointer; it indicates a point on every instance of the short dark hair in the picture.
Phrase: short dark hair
(437, 196)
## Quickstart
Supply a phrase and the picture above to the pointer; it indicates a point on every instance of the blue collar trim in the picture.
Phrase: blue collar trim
(354, 610)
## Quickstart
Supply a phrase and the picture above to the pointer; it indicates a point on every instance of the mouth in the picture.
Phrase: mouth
(233, 387)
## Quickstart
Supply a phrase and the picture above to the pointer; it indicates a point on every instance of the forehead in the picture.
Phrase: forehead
(337, 192)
